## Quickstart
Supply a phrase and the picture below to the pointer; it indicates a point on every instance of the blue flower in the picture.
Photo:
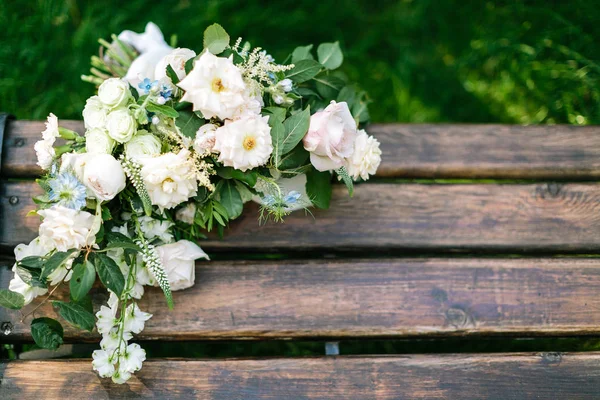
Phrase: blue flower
(165, 92)
(147, 85)
(67, 191)
(292, 197)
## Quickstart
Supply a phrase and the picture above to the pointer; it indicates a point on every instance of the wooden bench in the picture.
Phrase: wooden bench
(419, 252)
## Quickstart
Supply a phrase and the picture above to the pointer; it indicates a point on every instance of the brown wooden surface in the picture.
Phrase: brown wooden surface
(418, 151)
(452, 376)
(381, 217)
(394, 298)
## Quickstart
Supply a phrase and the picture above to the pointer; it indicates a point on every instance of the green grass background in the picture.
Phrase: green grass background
(421, 61)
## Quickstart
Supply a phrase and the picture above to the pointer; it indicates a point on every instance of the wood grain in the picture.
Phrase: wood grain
(453, 376)
(388, 298)
(395, 217)
(419, 151)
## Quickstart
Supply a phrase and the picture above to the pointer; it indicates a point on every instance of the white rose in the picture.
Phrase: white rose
(366, 157)
(178, 260)
(66, 228)
(170, 178)
(214, 86)
(75, 163)
(330, 138)
(205, 139)
(97, 141)
(186, 214)
(44, 150)
(253, 101)
(104, 176)
(94, 113)
(114, 93)
(245, 143)
(121, 125)
(156, 228)
(51, 132)
(176, 59)
(142, 145)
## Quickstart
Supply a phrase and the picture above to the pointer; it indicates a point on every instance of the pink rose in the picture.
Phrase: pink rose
(330, 138)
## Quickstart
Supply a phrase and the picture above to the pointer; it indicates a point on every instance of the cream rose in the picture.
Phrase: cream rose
(205, 139)
(244, 143)
(214, 86)
(170, 178)
(176, 59)
(366, 157)
(330, 138)
(114, 93)
(178, 260)
(66, 228)
(121, 125)
(186, 214)
(103, 175)
(44, 150)
(74, 162)
(142, 145)
(94, 113)
(97, 141)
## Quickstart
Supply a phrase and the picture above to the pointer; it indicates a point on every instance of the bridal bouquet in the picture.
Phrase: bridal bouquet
(175, 143)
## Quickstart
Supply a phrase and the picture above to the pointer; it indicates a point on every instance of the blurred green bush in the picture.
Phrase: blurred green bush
(421, 60)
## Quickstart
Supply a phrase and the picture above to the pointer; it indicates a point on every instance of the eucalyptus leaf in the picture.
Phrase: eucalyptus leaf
(303, 70)
(47, 333)
(296, 127)
(109, 273)
(231, 199)
(330, 55)
(275, 114)
(75, 315)
(215, 39)
(318, 188)
(12, 300)
(302, 53)
(82, 280)
(329, 86)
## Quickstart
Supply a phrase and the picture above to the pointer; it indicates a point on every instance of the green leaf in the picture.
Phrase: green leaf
(248, 177)
(303, 70)
(302, 53)
(231, 199)
(109, 273)
(188, 123)
(318, 188)
(330, 55)
(275, 114)
(360, 110)
(12, 300)
(296, 127)
(189, 65)
(162, 109)
(56, 260)
(123, 245)
(215, 39)
(75, 315)
(82, 280)
(307, 92)
(47, 333)
(348, 94)
(329, 86)
(277, 135)
(172, 74)
(31, 277)
(295, 158)
(343, 173)
(32, 262)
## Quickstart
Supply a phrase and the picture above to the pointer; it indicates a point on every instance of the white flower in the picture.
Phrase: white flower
(106, 319)
(178, 260)
(104, 176)
(142, 145)
(45, 153)
(98, 141)
(51, 131)
(114, 93)
(112, 340)
(94, 113)
(244, 143)
(330, 138)
(135, 319)
(66, 228)
(170, 178)
(132, 358)
(214, 86)
(366, 157)
(121, 376)
(176, 59)
(205, 139)
(156, 228)
(186, 214)
(121, 125)
(123, 230)
(75, 163)
(143, 276)
(253, 101)
(102, 363)
(29, 292)
(62, 273)
(285, 84)
(152, 48)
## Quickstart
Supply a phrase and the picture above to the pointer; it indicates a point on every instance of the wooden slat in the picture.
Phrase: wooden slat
(498, 218)
(419, 151)
(488, 376)
(394, 298)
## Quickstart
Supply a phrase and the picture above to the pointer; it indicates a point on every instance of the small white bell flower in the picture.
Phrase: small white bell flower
(135, 319)
(102, 363)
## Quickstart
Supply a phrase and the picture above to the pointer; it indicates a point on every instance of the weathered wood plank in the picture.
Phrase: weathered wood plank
(453, 376)
(486, 217)
(394, 298)
(419, 151)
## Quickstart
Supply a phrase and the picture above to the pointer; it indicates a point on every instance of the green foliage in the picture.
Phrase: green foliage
(54, 261)
(303, 70)
(302, 53)
(82, 280)
(12, 300)
(318, 188)
(75, 314)
(109, 272)
(162, 109)
(330, 55)
(188, 123)
(230, 199)
(347, 179)
(295, 127)
(47, 333)
(215, 39)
